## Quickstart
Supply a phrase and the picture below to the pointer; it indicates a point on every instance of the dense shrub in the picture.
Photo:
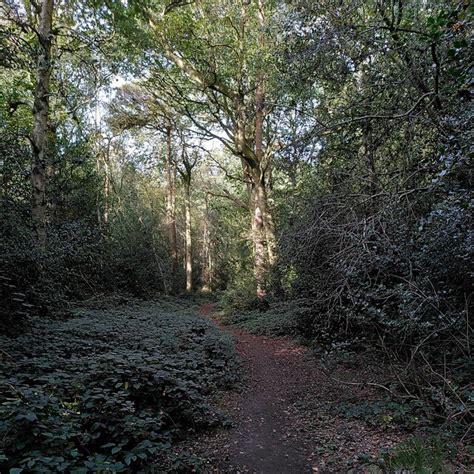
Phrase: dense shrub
(403, 275)
(397, 276)
(109, 388)
(273, 319)
(78, 262)
(240, 296)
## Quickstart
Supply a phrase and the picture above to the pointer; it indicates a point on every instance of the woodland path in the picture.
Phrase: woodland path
(279, 425)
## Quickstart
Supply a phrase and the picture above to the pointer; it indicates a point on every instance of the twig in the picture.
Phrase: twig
(371, 384)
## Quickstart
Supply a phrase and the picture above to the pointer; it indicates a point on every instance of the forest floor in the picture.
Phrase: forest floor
(230, 401)
(283, 414)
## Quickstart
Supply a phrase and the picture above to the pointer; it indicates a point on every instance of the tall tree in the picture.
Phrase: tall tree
(56, 46)
(185, 169)
(170, 172)
(220, 50)
(138, 107)
(207, 260)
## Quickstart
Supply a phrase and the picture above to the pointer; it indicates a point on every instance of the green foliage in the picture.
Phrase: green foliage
(409, 279)
(240, 295)
(110, 389)
(409, 414)
(78, 262)
(418, 456)
(267, 317)
(398, 280)
(367, 133)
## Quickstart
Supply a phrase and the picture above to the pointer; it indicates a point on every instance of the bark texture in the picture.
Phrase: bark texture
(40, 140)
(206, 249)
(189, 243)
(170, 172)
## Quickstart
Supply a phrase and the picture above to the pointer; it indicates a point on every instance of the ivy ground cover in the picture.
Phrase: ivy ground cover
(110, 390)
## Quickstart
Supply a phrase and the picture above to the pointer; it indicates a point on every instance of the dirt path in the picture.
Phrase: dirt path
(280, 427)
(264, 439)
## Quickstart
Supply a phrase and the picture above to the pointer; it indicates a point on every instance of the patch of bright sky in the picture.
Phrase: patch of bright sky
(134, 147)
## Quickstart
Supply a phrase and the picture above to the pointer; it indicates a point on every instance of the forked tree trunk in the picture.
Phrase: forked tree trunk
(262, 222)
(40, 140)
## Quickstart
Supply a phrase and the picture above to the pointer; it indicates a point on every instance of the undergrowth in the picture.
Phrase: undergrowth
(416, 455)
(415, 400)
(267, 318)
(111, 389)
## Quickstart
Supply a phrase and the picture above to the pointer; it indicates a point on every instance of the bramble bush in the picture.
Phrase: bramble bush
(110, 389)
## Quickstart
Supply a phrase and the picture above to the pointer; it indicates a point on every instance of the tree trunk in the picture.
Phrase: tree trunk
(256, 166)
(206, 249)
(263, 235)
(170, 171)
(269, 227)
(107, 184)
(258, 236)
(262, 222)
(40, 140)
(189, 244)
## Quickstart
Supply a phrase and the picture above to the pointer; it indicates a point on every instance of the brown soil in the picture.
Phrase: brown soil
(282, 424)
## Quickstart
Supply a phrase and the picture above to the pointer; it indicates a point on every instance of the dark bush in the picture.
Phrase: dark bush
(398, 277)
(78, 262)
